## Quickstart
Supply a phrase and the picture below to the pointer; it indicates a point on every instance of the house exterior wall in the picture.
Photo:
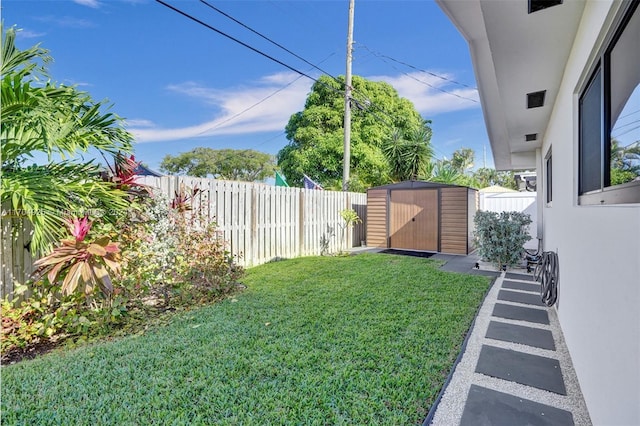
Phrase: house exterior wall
(598, 249)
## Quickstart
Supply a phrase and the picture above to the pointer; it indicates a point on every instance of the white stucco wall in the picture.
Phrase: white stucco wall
(599, 255)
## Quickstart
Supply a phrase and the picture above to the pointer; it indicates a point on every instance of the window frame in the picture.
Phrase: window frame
(626, 193)
(548, 173)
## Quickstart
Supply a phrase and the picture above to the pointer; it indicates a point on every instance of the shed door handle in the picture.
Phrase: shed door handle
(413, 220)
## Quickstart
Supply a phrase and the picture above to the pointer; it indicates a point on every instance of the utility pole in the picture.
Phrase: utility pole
(484, 156)
(347, 102)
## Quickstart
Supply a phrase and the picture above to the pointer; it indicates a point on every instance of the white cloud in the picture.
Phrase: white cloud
(267, 104)
(432, 95)
(139, 122)
(264, 106)
(66, 21)
(26, 34)
(95, 4)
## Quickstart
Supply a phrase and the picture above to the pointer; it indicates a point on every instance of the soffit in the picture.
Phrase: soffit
(515, 53)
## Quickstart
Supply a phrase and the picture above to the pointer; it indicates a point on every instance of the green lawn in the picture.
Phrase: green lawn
(365, 339)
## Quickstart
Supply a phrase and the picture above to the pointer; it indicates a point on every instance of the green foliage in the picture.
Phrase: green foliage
(625, 162)
(168, 261)
(350, 217)
(500, 237)
(205, 268)
(230, 164)
(175, 257)
(357, 340)
(488, 177)
(45, 317)
(316, 134)
(462, 159)
(409, 156)
(56, 121)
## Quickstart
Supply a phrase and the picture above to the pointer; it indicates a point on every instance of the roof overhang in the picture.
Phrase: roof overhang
(516, 53)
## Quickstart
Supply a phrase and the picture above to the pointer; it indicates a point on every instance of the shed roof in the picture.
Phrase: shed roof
(417, 184)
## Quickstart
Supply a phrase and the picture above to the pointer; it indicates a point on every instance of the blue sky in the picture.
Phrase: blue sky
(180, 85)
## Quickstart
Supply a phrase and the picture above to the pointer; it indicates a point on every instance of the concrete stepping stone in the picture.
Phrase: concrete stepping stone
(516, 285)
(521, 313)
(529, 336)
(487, 407)
(526, 298)
(516, 276)
(527, 369)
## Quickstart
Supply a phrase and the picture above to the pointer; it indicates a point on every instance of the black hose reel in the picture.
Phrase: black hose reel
(547, 272)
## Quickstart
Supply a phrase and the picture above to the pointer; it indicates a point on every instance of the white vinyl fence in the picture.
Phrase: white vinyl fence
(523, 202)
(263, 223)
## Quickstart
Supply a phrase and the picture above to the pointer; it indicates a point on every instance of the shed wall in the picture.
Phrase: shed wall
(377, 218)
(453, 220)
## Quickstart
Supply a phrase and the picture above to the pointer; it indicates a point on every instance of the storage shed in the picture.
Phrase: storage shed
(417, 215)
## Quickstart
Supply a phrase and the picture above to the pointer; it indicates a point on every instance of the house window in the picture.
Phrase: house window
(609, 109)
(548, 177)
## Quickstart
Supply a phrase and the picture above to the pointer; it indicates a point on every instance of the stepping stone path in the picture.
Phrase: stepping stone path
(515, 368)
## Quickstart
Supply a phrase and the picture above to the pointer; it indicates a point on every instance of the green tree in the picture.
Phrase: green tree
(42, 119)
(488, 177)
(462, 159)
(410, 156)
(315, 134)
(230, 164)
(625, 162)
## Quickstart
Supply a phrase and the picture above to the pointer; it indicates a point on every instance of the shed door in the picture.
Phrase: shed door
(414, 219)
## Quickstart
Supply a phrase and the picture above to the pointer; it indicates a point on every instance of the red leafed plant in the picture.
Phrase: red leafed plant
(77, 262)
(184, 197)
(124, 173)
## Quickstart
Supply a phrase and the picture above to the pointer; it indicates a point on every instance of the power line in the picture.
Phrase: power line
(200, 22)
(257, 103)
(384, 57)
(264, 37)
(378, 54)
(250, 108)
(222, 33)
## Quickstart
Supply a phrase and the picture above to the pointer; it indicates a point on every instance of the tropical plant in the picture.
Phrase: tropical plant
(409, 156)
(41, 121)
(462, 159)
(77, 262)
(350, 218)
(500, 237)
(445, 172)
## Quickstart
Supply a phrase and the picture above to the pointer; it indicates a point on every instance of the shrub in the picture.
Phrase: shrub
(173, 256)
(500, 237)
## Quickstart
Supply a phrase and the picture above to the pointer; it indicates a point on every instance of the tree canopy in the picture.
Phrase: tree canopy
(230, 164)
(316, 133)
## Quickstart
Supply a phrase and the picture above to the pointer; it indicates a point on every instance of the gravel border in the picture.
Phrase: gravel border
(450, 407)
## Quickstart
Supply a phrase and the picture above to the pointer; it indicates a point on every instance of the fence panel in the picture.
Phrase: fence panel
(263, 223)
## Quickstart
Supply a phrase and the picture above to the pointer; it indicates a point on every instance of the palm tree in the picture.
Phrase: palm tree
(462, 159)
(445, 172)
(46, 120)
(409, 157)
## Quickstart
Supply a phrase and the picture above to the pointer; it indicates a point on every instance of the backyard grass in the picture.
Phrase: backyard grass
(366, 339)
